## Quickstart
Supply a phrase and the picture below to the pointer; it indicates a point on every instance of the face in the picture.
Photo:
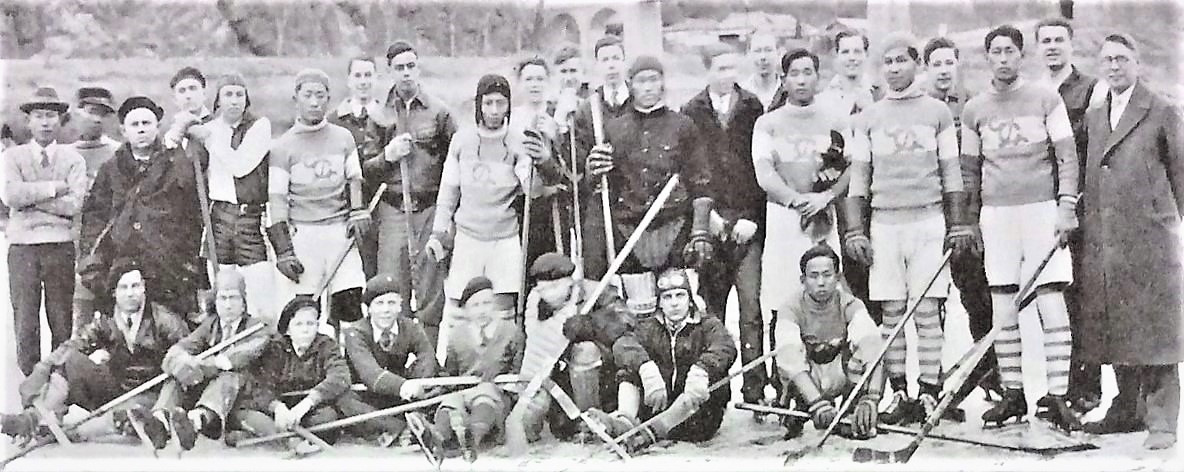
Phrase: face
(1120, 64)
(89, 119)
(494, 107)
(801, 80)
(555, 292)
(850, 56)
(821, 278)
(1004, 57)
(570, 74)
(140, 128)
(229, 303)
(129, 292)
(385, 308)
(361, 78)
(610, 61)
(722, 73)
(189, 95)
(763, 52)
(533, 82)
(232, 100)
(44, 124)
(311, 99)
(302, 329)
(675, 305)
(405, 68)
(647, 88)
(1055, 46)
(480, 307)
(899, 68)
(943, 68)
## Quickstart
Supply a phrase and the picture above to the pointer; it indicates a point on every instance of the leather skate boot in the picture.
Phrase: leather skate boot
(1013, 405)
(1055, 409)
(927, 401)
(901, 409)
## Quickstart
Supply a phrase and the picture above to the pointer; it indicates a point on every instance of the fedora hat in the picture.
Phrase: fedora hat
(45, 98)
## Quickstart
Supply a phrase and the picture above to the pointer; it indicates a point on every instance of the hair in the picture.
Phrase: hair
(1054, 22)
(709, 52)
(187, 72)
(531, 61)
(565, 53)
(607, 41)
(1006, 31)
(349, 66)
(398, 47)
(939, 43)
(820, 250)
(1123, 39)
(6, 132)
(796, 54)
(851, 33)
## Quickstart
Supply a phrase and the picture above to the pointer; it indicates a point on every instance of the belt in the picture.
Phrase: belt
(419, 201)
(242, 208)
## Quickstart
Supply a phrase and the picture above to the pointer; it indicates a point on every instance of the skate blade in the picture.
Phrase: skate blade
(418, 430)
(1010, 423)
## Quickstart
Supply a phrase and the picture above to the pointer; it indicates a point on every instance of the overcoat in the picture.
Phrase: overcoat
(1131, 259)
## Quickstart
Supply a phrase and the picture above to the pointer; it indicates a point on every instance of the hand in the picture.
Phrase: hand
(282, 416)
(859, 247)
(699, 250)
(828, 175)
(290, 266)
(536, 149)
(297, 413)
(222, 362)
(813, 203)
(411, 389)
(359, 223)
(100, 357)
(964, 241)
(399, 147)
(600, 160)
(565, 106)
(717, 226)
(654, 386)
(436, 249)
(57, 357)
(199, 132)
(864, 418)
(1066, 223)
(697, 384)
(743, 231)
(824, 413)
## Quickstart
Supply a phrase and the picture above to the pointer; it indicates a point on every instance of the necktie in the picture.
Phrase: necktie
(128, 333)
(387, 340)
(363, 114)
(227, 332)
(44, 158)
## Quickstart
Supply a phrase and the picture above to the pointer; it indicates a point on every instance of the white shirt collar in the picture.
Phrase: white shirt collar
(37, 148)
(616, 94)
(1060, 77)
(1118, 103)
(722, 103)
(378, 331)
(350, 106)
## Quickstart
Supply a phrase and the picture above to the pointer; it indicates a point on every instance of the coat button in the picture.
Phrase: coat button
(136, 226)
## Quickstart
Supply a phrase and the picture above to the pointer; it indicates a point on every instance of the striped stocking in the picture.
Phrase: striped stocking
(1007, 346)
(894, 359)
(929, 343)
(1058, 340)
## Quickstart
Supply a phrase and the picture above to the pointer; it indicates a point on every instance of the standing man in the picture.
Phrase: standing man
(412, 125)
(1054, 42)
(144, 204)
(851, 90)
(315, 195)
(905, 170)
(569, 70)
(1131, 298)
(725, 114)
(44, 185)
(766, 77)
(353, 113)
(94, 106)
(534, 115)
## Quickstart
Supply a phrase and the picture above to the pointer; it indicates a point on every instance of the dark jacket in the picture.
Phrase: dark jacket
(431, 125)
(470, 356)
(1132, 299)
(241, 355)
(159, 330)
(702, 341)
(733, 182)
(382, 371)
(585, 137)
(322, 369)
(1076, 91)
(608, 321)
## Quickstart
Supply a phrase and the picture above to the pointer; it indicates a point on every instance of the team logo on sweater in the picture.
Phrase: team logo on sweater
(892, 140)
(801, 148)
(1012, 132)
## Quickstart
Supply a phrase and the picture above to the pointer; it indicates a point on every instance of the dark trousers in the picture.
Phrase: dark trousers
(856, 275)
(971, 279)
(1085, 380)
(34, 269)
(1150, 393)
(739, 266)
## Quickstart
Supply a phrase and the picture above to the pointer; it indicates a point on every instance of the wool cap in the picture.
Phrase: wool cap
(187, 72)
(491, 83)
(311, 75)
(478, 284)
(552, 266)
(298, 303)
(378, 286)
(139, 101)
(229, 79)
(674, 279)
(897, 40)
(646, 62)
(121, 266)
(97, 96)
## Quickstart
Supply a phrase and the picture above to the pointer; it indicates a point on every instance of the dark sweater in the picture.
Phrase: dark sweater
(733, 182)
(382, 371)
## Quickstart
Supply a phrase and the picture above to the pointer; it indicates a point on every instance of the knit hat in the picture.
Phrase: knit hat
(491, 83)
(230, 277)
(187, 72)
(233, 78)
(139, 101)
(97, 96)
(898, 40)
(121, 266)
(674, 279)
(45, 98)
(552, 266)
(311, 75)
(379, 285)
(398, 47)
(475, 285)
(298, 303)
(646, 62)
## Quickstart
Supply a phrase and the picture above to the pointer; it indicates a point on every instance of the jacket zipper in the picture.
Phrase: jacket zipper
(674, 360)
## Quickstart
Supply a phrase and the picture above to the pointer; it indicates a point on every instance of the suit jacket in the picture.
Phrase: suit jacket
(384, 371)
(733, 182)
(133, 365)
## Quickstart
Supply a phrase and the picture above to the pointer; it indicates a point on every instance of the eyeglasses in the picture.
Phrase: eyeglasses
(1120, 60)
(402, 67)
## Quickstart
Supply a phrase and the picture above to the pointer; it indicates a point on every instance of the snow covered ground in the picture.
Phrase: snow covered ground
(733, 449)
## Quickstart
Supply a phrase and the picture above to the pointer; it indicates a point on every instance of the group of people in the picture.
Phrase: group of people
(577, 246)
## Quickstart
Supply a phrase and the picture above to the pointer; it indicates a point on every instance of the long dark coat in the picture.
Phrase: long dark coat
(1132, 307)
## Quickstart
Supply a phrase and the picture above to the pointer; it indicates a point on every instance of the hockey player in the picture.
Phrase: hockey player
(353, 114)
(765, 80)
(1029, 198)
(905, 168)
(830, 342)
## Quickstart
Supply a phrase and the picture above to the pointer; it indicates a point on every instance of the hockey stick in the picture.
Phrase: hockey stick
(430, 382)
(1043, 451)
(527, 194)
(352, 244)
(573, 412)
(206, 218)
(870, 370)
(598, 132)
(978, 350)
(577, 245)
(405, 181)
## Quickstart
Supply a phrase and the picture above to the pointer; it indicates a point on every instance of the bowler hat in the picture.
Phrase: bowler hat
(45, 98)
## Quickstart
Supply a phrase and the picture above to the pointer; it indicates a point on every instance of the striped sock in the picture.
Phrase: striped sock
(895, 356)
(929, 343)
(1058, 340)
(1007, 346)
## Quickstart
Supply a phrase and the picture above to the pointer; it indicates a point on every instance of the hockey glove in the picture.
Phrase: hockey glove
(823, 412)
(285, 253)
(961, 236)
(700, 250)
(863, 419)
(438, 246)
(653, 385)
(855, 241)
(1066, 222)
(600, 160)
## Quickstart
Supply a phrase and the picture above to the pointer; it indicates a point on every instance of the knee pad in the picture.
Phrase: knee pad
(346, 305)
(585, 356)
(640, 291)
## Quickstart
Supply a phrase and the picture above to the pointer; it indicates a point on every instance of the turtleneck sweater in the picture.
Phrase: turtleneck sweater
(310, 165)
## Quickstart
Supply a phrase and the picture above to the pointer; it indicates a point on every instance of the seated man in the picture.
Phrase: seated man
(690, 348)
(110, 356)
(830, 340)
(298, 359)
(586, 369)
(378, 350)
(484, 344)
(215, 379)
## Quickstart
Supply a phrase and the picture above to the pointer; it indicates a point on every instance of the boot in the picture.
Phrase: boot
(1055, 409)
(900, 410)
(640, 440)
(927, 401)
(1013, 405)
(430, 441)
(183, 427)
(1120, 418)
(155, 430)
(1085, 403)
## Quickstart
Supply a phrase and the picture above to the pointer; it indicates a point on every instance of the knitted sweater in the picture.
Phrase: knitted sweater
(310, 166)
(841, 317)
(36, 214)
(1007, 137)
(787, 147)
(483, 174)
